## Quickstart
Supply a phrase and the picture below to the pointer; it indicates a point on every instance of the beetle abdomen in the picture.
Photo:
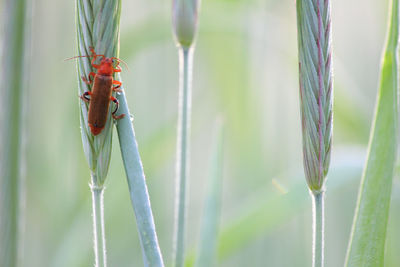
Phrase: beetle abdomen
(95, 130)
(99, 103)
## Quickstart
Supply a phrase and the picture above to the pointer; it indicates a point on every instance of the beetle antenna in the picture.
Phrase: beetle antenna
(120, 60)
(74, 57)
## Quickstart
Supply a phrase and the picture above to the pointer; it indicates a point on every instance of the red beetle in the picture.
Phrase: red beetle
(101, 93)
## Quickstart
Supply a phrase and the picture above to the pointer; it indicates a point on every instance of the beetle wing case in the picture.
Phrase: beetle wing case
(99, 103)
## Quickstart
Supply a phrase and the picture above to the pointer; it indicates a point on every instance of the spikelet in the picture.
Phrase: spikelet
(93, 31)
(316, 91)
(184, 21)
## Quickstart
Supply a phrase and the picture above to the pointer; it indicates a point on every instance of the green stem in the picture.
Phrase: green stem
(318, 228)
(98, 225)
(10, 124)
(138, 188)
(185, 98)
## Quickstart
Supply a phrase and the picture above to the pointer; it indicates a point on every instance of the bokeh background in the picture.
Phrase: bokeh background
(245, 70)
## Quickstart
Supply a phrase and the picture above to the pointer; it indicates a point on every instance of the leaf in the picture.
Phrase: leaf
(367, 240)
(138, 188)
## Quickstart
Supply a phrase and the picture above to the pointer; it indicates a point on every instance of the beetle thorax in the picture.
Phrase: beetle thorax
(106, 67)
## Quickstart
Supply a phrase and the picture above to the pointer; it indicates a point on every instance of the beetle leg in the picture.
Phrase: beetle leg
(113, 99)
(96, 66)
(90, 80)
(95, 56)
(85, 95)
(117, 69)
(91, 49)
(117, 86)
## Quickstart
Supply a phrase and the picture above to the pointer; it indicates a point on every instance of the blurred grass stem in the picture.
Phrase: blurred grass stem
(212, 207)
(185, 98)
(13, 77)
(318, 228)
(98, 226)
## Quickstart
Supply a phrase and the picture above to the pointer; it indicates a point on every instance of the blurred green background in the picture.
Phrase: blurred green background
(245, 70)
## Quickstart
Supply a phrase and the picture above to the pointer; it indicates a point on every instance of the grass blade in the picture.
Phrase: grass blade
(138, 188)
(210, 224)
(367, 240)
(10, 125)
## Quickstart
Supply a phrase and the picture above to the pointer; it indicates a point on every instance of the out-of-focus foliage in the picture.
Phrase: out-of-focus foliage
(245, 69)
(12, 63)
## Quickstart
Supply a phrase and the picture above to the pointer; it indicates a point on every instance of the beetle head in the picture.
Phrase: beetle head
(106, 66)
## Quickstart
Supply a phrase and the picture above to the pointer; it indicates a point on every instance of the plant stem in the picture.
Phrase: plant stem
(185, 98)
(12, 91)
(318, 228)
(137, 188)
(98, 225)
